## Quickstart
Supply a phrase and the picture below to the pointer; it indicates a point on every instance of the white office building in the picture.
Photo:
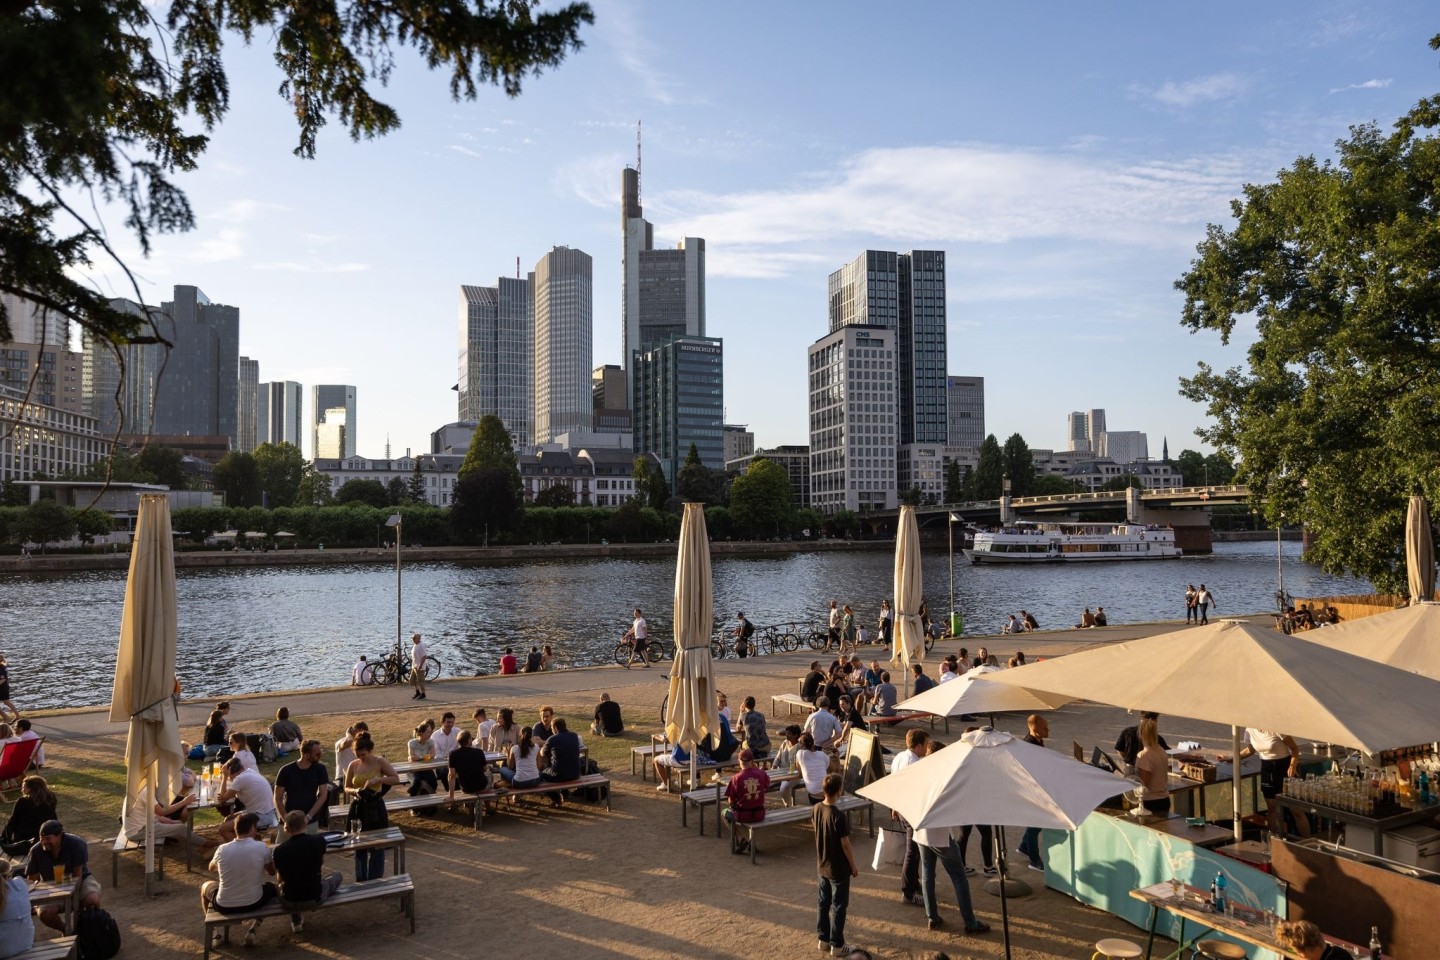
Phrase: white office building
(564, 328)
(853, 424)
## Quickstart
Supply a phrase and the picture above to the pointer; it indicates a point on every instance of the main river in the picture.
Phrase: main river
(244, 630)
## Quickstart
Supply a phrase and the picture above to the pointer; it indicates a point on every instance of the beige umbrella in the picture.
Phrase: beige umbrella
(1419, 551)
(908, 645)
(145, 670)
(971, 693)
(693, 713)
(1408, 638)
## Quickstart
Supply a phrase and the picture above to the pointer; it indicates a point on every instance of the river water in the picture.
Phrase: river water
(246, 630)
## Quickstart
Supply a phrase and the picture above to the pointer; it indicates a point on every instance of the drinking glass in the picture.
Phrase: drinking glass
(1175, 887)
(59, 872)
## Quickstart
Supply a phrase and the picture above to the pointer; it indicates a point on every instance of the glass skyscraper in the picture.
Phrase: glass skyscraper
(324, 398)
(497, 365)
(679, 399)
(564, 324)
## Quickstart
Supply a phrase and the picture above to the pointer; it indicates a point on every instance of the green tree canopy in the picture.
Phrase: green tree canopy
(281, 469)
(1197, 469)
(415, 486)
(1122, 483)
(237, 475)
(108, 99)
(986, 481)
(1052, 485)
(761, 504)
(954, 481)
(1336, 417)
(45, 521)
(314, 489)
(1019, 466)
(372, 493)
(484, 502)
(163, 465)
(650, 487)
(555, 495)
(491, 449)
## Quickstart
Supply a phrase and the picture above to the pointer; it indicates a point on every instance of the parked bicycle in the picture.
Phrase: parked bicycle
(388, 670)
(625, 650)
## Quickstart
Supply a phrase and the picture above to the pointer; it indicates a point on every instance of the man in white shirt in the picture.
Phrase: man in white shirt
(417, 667)
(1279, 758)
(946, 673)
(834, 638)
(483, 726)
(823, 726)
(915, 741)
(253, 791)
(242, 865)
(22, 727)
(363, 672)
(446, 737)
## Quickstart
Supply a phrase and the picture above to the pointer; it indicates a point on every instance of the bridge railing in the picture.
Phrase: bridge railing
(1227, 491)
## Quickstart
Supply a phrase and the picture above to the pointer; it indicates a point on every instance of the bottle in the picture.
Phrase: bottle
(1220, 898)
(1214, 897)
(1375, 951)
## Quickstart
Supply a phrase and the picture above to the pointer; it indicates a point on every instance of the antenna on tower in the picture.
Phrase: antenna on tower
(637, 159)
(387, 446)
(517, 268)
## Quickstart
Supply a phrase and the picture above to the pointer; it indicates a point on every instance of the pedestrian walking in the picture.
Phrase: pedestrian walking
(835, 864)
(1191, 613)
(886, 623)
(833, 638)
(1203, 599)
(418, 656)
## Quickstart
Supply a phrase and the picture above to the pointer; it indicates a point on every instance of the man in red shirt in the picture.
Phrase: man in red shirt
(508, 663)
(746, 795)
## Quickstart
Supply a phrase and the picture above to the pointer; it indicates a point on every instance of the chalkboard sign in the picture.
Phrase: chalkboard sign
(864, 761)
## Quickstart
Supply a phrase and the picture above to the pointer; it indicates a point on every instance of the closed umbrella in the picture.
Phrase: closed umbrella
(145, 669)
(1419, 551)
(972, 693)
(693, 712)
(908, 645)
(992, 777)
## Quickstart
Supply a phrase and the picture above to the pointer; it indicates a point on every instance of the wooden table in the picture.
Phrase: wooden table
(60, 895)
(388, 837)
(1244, 924)
(1208, 836)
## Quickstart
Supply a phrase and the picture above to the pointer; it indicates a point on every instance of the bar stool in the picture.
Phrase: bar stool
(1116, 949)
(1219, 950)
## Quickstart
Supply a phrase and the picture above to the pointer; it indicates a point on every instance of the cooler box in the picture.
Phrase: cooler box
(1417, 846)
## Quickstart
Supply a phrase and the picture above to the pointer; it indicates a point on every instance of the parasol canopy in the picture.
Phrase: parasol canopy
(971, 692)
(1407, 638)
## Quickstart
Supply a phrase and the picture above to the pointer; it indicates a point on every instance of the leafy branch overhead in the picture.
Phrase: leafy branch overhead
(1336, 419)
(99, 97)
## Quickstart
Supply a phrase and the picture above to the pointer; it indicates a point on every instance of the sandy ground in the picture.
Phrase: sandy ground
(583, 882)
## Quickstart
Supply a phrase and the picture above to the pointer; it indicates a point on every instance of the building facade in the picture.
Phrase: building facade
(1092, 474)
(279, 413)
(796, 461)
(965, 401)
(197, 392)
(248, 417)
(609, 398)
(564, 352)
(497, 369)
(679, 398)
(739, 442)
(1083, 429)
(41, 438)
(49, 375)
(1123, 446)
(31, 323)
(853, 426)
(325, 398)
(663, 291)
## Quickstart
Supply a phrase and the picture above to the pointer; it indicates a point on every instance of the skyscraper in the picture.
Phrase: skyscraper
(564, 322)
(324, 398)
(198, 391)
(1084, 429)
(279, 413)
(497, 367)
(965, 397)
(247, 419)
(663, 291)
(331, 435)
(678, 388)
(31, 323)
(609, 396)
(853, 429)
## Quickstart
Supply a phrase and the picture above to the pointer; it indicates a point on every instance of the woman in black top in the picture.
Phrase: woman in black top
(215, 738)
(35, 805)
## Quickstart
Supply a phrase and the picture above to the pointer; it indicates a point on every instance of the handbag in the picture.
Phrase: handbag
(368, 809)
(889, 849)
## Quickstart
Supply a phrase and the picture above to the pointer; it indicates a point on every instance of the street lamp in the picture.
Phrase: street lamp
(397, 522)
(950, 528)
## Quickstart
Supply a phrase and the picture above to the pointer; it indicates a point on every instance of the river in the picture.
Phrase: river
(246, 630)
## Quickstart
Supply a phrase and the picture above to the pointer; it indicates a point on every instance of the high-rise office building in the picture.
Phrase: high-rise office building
(48, 374)
(904, 292)
(1084, 428)
(609, 396)
(965, 399)
(497, 368)
(332, 435)
(31, 323)
(198, 391)
(116, 380)
(854, 431)
(564, 322)
(663, 291)
(248, 417)
(279, 413)
(1123, 446)
(739, 441)
(678, 388)
(325, 398)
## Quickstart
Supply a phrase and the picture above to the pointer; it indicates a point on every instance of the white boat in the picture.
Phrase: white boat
(1061, 542)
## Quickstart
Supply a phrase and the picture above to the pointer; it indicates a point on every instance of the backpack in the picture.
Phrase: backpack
(97, 935)
(591, 794)
(266, 751)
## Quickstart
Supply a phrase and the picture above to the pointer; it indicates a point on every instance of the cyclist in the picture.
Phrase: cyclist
(637, 636)
(744, 630)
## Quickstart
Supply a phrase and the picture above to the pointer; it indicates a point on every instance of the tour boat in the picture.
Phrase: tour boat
(1062, 542)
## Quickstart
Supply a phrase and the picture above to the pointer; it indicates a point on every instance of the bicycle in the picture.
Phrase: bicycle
(719, 647)
(819, 638)
(625, 651)
(387, 670)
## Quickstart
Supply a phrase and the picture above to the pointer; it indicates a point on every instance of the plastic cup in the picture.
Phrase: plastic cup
(59, 873)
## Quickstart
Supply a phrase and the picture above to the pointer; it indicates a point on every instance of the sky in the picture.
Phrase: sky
(1066, 157)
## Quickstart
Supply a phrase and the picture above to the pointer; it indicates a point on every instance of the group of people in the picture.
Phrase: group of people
(1304, 617)
(1023, 622)
(536, 660)
(1096, 619)
(1198, 603)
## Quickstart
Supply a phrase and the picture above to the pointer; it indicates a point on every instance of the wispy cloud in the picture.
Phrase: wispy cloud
(638, 55)
(465, 150)
(1188, 93)
(1376, 84)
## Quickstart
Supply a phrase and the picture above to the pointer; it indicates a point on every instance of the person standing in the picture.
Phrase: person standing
(1203, 599)
(833, 638)
(847, 629)
(886, 623)
(639, 637)
(1030, 843)
(1191, 614)
(744, 630)
(1152, 766)
(303, 787)
(915, 740)
(938, 846)
(835, 863)
(418, 655)
(1279, 758)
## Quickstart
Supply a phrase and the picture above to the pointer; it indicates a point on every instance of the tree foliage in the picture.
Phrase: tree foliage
(314, 489)
(986, 481)
(650, 487)
(238, 476)
(281, 467)
(372, 493)
(1019, 466)
(1052, 485)
(555, 495)
(491, 449)
(761, 504)
(954, 481)
(415, 487)
(1198, 469)
(163, 465)
(1335, 419)
(110, 98)
(484, 504)
(697, 482)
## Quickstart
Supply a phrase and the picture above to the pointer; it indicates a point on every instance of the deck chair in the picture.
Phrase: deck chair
(14, 762)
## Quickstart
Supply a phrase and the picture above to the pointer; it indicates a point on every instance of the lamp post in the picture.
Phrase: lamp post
(950, 529)
(397, 522)
(1280, 563)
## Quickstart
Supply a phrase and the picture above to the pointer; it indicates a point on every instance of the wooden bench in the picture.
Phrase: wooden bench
(802, 814)
(61, 948)
(400, 886)
(703, 768)
(714, 793)
(394, 803)
(124, 844)
(791, 701)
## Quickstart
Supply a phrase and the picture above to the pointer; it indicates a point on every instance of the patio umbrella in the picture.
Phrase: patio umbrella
(908, 645)
(1408, 638)
(1419, 552)
(693, 713)
(145, 669)
(1238, 673)
(992, 777)
(972, 693)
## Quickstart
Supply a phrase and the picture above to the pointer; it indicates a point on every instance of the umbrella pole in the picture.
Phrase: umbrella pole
(1004, 879)
(150, 831)
(1235, 780)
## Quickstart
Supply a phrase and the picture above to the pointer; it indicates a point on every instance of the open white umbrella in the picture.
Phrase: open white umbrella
(693, 712)
(145, 670)
(972, 693)
(1408, 638)
(1238, 673)
(1419, 552)
(908, 644)
(992, 777)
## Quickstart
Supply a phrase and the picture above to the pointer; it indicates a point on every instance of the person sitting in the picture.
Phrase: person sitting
(56, 848)
(533, 660)
(1304, 938)
(547, 658)
(446, 738)
(562, 756)
(345, 752)
(1019, 658)
(752, 730)
(362, 673)
(542, 729)
(784, 759)
(947, 673)
(254, 792)
(508, 664)
(214, 739)
(883, 702)
(483, 726)
(813, 764)
(1087, 620)
(23, 733)
(169, 818)
(521, 767)
(469, 770)
(745, 795)
(17, 929)
(505, 733)
(922, 682)
(823, 726)
(851, 719)
(242, 865)
(1012, 625)
(286, 732)
(814, 681)
(1029, 621)
(421, 750)
(300, 866)
(1100, 619)
(719, 749)
(240, 750)
(33, 807)
(607, 721)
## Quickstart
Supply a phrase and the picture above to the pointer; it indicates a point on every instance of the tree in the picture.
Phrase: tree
(650, 486)
(1053, 485)
(99, 96)
(1019, 466)
(369, 492)
(119, 467)
(44, 521)
(281, 469)
(13, 494)
(954, 482)
(1336, 419)
(761, 504)
(314, 489)
(911, 497)
(162, 465)
(397, 491)
(484, 505)
(986, 481)
(555, 495)
(491, 449)
(415, 488)
(1122, 483)
(93, 523)
(694, 482)
(1197, 469)
(237, 475)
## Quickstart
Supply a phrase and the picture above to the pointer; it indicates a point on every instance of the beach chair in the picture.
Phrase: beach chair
(14, 762)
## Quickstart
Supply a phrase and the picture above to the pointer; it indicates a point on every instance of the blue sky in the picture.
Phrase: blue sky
(1066, 157)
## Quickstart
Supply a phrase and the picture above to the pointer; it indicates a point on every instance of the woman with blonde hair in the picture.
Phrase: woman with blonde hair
(1303, 937)
(17, 929)
(1152, 767)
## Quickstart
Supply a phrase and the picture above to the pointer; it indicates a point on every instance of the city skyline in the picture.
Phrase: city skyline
(1066, 164)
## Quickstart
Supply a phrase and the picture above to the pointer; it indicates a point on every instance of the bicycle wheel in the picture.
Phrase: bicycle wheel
(819, 639)
(433, 669)
(664, 707)
(654, 651)
(622, 653)
(929, 643)
(790, 640)
(372, 675)
(717, 649)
